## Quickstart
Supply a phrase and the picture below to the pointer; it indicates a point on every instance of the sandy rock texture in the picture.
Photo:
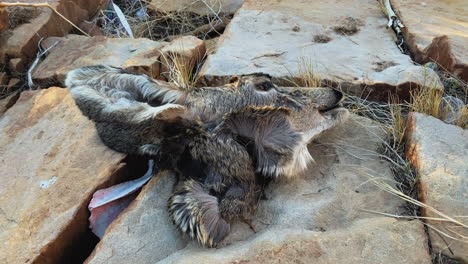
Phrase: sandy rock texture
(31, 24)
(436, 30)
(439, 153)
(350, 46)
(135, 55)
(51, 162)
(317, 216)
(148, 231)
(206, 7)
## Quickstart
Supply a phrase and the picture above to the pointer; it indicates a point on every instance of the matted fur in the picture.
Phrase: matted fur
(196, 213)
(226, 143)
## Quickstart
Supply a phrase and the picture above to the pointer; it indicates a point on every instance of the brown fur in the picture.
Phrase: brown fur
(225, 142)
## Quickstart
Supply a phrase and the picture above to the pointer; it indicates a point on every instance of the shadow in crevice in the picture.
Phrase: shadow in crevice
(80, 240)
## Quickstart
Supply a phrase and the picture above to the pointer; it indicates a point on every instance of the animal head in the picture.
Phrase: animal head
(280, 121)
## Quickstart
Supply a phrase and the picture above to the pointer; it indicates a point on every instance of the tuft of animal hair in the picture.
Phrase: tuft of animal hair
(196, 213)
(108, 94)
(279, 150)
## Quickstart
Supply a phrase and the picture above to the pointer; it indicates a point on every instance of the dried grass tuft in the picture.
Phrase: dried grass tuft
(147, 21)
(462, 120)
(391, 117)
(428, 101)
(182, 71)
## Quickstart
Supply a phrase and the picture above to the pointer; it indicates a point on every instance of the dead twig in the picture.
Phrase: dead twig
(40, 53)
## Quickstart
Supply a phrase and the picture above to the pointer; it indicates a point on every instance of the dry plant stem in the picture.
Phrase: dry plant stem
(40, 53)
(403, 196)
(420, 217)
(406, 216)
(44, 5)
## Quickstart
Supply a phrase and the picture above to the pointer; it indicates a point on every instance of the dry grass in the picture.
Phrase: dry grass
(307, 75)
(431, 101)
(428, 101)
(181, 71)
(462, 121)
(147, 21)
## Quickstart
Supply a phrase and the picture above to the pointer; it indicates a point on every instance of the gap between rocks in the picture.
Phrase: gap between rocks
(83, 240)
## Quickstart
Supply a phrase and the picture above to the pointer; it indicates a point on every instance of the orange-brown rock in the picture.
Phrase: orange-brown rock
(186, 51)
(51, 162)
(8, 102)
(202, 8)
(21, 41)
(436, 30)
(315, 218)
(135, 55)
(73, 51)
(344, 42)
(3, 19)
(439, 153)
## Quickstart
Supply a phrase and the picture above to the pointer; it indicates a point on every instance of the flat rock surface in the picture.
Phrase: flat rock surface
(206, 7)
(342, 41)
(73, 51)
(318, 215)
(380, 240)
(51, 162)
(439, 152)
(21, 41)
(134, 55)
(149, 233)
(437, 30)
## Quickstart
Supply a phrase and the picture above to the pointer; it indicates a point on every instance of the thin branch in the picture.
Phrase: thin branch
(40, 53)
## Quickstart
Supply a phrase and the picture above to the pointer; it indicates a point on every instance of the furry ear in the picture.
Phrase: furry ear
(278, 149)
(233, 79)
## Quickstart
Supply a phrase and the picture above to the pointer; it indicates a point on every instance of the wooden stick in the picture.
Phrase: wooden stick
(44, 5)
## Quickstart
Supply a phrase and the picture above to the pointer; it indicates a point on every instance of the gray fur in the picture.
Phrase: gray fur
(226, 142)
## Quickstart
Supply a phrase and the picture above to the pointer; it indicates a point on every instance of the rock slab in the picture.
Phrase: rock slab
(51, 162)
(73, 51)
(134, 55)
(437, 30)
(345, 42)
(439, 152)
(376, 241)
(21, 41)
(203, 8)
(316, 216)
(148, 231)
